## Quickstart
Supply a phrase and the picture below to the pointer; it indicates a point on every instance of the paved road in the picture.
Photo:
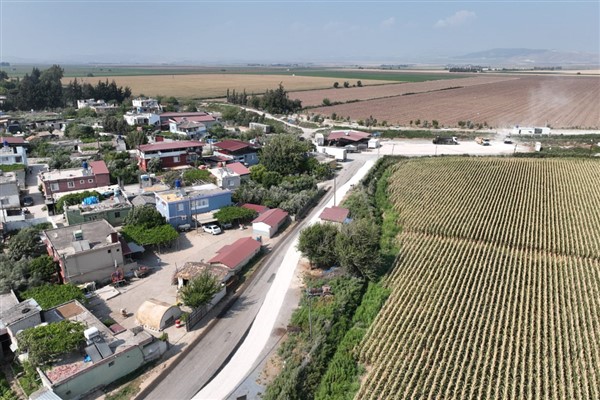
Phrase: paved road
(204, 361)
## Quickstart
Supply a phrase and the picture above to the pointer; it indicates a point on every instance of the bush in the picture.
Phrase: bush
(49, 296)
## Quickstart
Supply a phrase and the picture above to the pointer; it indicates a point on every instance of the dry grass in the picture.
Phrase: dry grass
(214, 85)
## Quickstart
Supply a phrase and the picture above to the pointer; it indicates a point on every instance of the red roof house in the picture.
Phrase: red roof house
(335, 214)
(237, 254)
(171, 154)
(236, 150)
(348, 136)
(239, 169)
(269, 222)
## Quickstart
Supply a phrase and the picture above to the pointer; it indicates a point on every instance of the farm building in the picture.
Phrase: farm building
(237, 254)
(256, 207)
(156, 315)
(335, 214)
(522, 130)
(342, 138)
(268, 223)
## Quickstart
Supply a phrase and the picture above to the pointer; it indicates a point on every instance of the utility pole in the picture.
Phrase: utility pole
(334, 190)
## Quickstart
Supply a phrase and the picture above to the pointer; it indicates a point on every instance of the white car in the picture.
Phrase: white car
(212, 229)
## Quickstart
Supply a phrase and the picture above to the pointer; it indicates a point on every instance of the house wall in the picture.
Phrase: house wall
(78, 183)
(16, 155)
(228, 182)
(92, 265)
(180, 212)
(260, 228)
(100, 374)
(115, 217)
(248, 159)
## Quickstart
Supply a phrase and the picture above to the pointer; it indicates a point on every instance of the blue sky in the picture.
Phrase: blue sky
(288, 31)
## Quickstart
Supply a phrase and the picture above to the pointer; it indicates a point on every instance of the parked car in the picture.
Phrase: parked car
(212, 229)
(27, 201)
(226, 225)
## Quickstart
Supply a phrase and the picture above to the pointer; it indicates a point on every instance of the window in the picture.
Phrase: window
(176, 159)
(231, 182)
(179, 207)
(110, 364)
(70, 184)
(183, 217)
(109, 250)
(91, 180)
(117, 214)
(4, 200)
(81, 181)
(54, 187)
(201, 203)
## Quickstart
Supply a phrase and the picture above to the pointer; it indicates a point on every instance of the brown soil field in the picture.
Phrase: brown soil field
(560, 102)
(214, 85)
(315, 97)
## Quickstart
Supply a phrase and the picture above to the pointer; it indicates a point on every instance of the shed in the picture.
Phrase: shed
(237, 254)
(268, 223)
(374, 143)
(335, 214)
(156, 315)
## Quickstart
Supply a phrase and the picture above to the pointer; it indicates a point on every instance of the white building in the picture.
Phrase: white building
(143, 105)
(134, 118)
(96, 105)
(189, 129)
(226, 178)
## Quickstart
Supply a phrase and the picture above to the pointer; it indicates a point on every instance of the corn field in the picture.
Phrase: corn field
(496, 293)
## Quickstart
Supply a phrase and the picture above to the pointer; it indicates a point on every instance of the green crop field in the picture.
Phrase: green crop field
(496, 292)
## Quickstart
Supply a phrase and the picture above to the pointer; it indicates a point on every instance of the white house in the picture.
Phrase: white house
(143, 105)
(226, 178)
(134, 118)
(189, 129)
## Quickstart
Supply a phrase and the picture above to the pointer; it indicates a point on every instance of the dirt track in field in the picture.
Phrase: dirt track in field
(561, 102)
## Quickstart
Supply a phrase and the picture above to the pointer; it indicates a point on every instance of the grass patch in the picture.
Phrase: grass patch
(12, 167)
(28, 378)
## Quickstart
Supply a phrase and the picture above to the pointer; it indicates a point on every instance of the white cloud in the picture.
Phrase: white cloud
(458, 18)
(387, 23)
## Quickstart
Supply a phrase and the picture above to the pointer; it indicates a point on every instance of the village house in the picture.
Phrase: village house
(113, 209)
(196, 116)
(236, 150)
(109, 353)
(171, 154)
(180, 206)
(239, 169)
(255, 207)
(226, 178)
(100, 106)
(144, 105)
(237, 254)
(188, 129)
(348, 137)
(134, 118)
(16, 316)
(13, 151)
(92, 174)
(10, 202)
(86, 252)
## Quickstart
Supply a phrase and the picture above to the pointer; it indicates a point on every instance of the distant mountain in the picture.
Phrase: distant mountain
(527, 57)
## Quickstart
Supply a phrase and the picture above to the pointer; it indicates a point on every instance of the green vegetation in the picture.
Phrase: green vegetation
(26, 243)
(12, 167)
(200, 290)
(146, 216)
(232, 214)
(74, 199)
(159, 235)
(317, 243)
(6, 392)
(29, 379)
(44, 343)
(48, 296)
(194, 176)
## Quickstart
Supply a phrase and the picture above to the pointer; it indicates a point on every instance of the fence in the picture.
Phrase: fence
(195, 316)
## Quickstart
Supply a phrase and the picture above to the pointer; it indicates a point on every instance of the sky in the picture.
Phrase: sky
(264, 31)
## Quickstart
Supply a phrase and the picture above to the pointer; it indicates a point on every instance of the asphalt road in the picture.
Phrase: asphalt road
(205, 360)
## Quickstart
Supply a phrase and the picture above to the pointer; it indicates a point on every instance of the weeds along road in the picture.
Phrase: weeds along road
(214, 350)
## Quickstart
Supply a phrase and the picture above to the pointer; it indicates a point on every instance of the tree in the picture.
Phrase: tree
(200, 290)
(193, 176)
(318, 243)
(346, 84)
(326, 102)
(26, 243)
(359, 83)
(135, 139)
(231, 214)
(13, 274)
(154, 165)
(43, 268)
(285, 154)
(145, 216)
(357, 247)
(74, 198)
(48, 296)
(45, 343)
(336, 85)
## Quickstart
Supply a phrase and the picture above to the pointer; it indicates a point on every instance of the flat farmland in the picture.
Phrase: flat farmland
(496, 297)
(561, 102)
(315, 97)
(214, 85)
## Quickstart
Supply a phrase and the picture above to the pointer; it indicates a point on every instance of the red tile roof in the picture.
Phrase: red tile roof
(238, 168)
(273, 217)
(233, 254)
(98, 167)
(179, 144)
(256, 207)
(353, 136)
(232, 145)
(334, 214)
(13, 140)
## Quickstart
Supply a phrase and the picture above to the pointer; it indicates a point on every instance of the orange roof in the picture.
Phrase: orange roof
(238, 168)
(256, 207)
(98, 167)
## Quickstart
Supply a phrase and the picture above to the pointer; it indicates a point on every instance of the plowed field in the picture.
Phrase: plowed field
(561, 102)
